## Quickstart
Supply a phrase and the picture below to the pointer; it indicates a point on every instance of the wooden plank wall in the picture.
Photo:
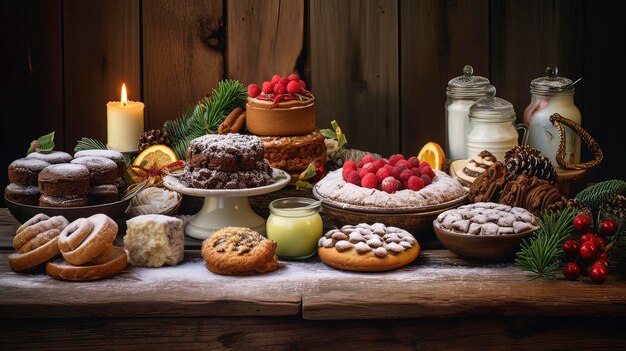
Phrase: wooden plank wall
(379, 67)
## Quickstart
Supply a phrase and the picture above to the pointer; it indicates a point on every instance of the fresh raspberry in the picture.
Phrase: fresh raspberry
(302, 84)
(405, 185)
(267, 87)
(427, 180)
(368, 158)
(416, 172)
(353, 177)
(406, 174)
(422, 164)
(345, 172)
(388, 167)
(275, 78)
(379, 164)
(293, 87)
(395, 158)
(253, 90)
(382, 173)
(363, 171)
(403, 164)
(293, 77)
(395, 172)
(369, 181)
(428, 171)
(284, 81)
(415, 183)
(370, 167)
(414, 161)
(349, 164)
(279, 89)
(390, 185)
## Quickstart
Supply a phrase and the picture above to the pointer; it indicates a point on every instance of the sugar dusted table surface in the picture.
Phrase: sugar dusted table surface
(437, 284)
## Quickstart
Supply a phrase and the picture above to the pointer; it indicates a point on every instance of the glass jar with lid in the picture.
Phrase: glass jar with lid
(296, 226)
(492, 127)
(462, 92)
(552, 94)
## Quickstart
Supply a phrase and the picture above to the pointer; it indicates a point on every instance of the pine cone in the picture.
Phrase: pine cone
(616, 208)
(528, 161)
(564, 203)
(154, 137)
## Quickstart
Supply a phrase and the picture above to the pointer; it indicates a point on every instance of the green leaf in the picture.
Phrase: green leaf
(44, 144)
(327, 133)
(309, 172)
(301, 184)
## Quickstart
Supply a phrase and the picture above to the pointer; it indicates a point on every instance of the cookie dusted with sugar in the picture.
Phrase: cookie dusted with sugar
(154, 240)
(239, 251)
(368, 248)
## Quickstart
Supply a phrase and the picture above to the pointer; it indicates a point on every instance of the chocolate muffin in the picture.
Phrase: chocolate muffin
(62, 201)
(112, 155)
(63, 180)
(24, 171)
(53, 157)
(23, 194)
(101, 170)
(103, 194)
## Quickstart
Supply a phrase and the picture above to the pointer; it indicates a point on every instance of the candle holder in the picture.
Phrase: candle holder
(226, 207)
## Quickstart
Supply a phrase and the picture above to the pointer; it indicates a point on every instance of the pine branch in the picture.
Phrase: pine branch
(542, 254)
(206, 116)
(89, 144)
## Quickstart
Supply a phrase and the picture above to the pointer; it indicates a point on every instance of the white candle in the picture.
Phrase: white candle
(124, 123)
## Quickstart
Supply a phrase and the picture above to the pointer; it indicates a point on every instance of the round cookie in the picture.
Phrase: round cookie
(62, 201)
(239, 251)
(64, 179)
(101, 170)
(225, 152)
(27, 195)
(368, 248)
(487, 218)
(24, 171)
(112, 155)
(53, 157)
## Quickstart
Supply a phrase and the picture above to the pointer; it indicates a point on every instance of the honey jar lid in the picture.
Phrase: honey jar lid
(468, 84)
(551, 83)
(492, 108)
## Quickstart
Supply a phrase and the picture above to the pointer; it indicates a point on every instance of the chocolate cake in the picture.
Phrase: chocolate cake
(64, 179)
(204, 178)
(101, 170)
(24, 171)
(23, 194)
(227, 152)
(103, 194)
(51, 157)
(62, 201)
(293, 154)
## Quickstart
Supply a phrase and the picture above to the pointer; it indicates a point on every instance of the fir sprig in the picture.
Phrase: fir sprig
(206, 116)
(89, 144)
(542, 254)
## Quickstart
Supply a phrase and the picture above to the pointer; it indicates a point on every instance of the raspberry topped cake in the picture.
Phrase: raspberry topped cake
(226, 161)
(393, 184)
(282, 113)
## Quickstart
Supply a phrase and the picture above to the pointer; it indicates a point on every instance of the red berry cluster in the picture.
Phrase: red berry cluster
(389, 175)
(279, 89)
(587, 255)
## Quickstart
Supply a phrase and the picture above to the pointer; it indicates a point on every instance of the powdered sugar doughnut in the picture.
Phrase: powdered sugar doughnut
(99, 239)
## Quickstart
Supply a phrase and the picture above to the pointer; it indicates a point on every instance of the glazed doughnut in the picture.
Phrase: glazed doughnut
(112, 262)
(80, 245)
(74, 234)
(35, 251)
(36, 226)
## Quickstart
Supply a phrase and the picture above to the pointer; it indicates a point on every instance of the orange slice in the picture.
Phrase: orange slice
(154, 157)
(433, 154)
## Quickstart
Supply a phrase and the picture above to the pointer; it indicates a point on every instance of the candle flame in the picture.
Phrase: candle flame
(124, 99)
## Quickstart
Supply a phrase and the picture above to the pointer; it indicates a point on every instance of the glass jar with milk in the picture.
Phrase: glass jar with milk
(462, 92)
(552, 94)
(492, 127)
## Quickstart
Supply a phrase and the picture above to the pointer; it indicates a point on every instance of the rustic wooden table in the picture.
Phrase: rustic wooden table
(438, 302)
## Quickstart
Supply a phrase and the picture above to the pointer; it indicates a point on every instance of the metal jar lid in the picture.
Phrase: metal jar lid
(551, 83)
(468, 84)
(492, 108)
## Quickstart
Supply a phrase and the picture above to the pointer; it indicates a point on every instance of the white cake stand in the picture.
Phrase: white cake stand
(226, 207)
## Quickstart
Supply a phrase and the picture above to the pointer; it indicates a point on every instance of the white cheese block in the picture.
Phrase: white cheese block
(154, 240)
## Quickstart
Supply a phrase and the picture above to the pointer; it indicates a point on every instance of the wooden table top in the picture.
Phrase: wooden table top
(437, 284)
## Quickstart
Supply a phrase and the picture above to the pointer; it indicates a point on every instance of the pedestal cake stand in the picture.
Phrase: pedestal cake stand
(226, 207)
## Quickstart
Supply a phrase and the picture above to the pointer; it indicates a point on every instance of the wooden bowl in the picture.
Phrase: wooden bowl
(415, 223)
(481, 247)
